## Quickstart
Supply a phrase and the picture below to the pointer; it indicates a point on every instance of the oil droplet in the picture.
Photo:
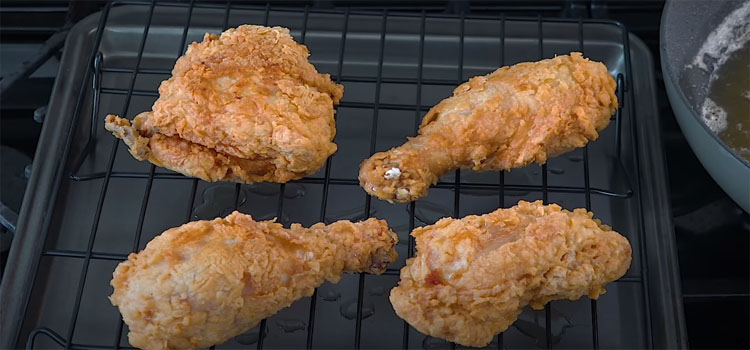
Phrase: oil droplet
(429, 212)
(291, 325)
(349, 310)
(435, 343)
(294, 191)
(377, 291)
(330, 295)
(218, 200)
(575, 158)
(532, 324)
(353, 214)
(249, 337)
(556, 171)
(263, 189)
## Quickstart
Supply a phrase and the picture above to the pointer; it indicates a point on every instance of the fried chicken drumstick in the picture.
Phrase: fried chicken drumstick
(206, 281)
(471, 278)
(507, 119)
(245, 106)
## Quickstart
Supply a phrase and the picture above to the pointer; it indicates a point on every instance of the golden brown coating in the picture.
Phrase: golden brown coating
(206, 281)
(471, 278)
(507, 119)
(247, 102)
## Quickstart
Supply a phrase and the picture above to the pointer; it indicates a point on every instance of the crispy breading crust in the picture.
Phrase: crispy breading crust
(507, 119)
(471, 278)
(206, 281)
(192, 159)
(246, 101)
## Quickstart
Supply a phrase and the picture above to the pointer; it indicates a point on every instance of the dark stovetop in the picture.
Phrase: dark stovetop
(712, 233)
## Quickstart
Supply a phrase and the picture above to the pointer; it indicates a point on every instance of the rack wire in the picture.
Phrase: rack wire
(98, 69)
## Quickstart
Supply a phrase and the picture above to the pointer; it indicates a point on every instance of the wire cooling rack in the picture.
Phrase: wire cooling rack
(129, 84)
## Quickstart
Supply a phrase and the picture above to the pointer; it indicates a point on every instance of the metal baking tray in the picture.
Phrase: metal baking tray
(89, 203)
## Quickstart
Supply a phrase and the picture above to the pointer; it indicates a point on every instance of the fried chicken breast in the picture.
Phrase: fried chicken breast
(507, 119)
(243, 106)
(471, 278)
(206, 281)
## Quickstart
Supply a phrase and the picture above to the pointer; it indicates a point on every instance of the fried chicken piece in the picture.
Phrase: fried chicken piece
(471, 278)
(245, 106)
(206, 281)
(507, 119)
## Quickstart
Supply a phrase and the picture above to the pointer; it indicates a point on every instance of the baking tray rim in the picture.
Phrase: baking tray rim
(665, 295)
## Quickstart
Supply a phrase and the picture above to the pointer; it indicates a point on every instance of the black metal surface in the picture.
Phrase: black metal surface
(17, 19)
(20, 58)
(712, 235)
(327, 180)
(50, 48)
(8, 218)
(24, 23)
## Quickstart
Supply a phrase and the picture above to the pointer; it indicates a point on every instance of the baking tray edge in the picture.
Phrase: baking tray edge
(48, 170)
(662, 268)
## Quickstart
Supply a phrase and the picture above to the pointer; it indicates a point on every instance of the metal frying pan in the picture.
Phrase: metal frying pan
(685, 25)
